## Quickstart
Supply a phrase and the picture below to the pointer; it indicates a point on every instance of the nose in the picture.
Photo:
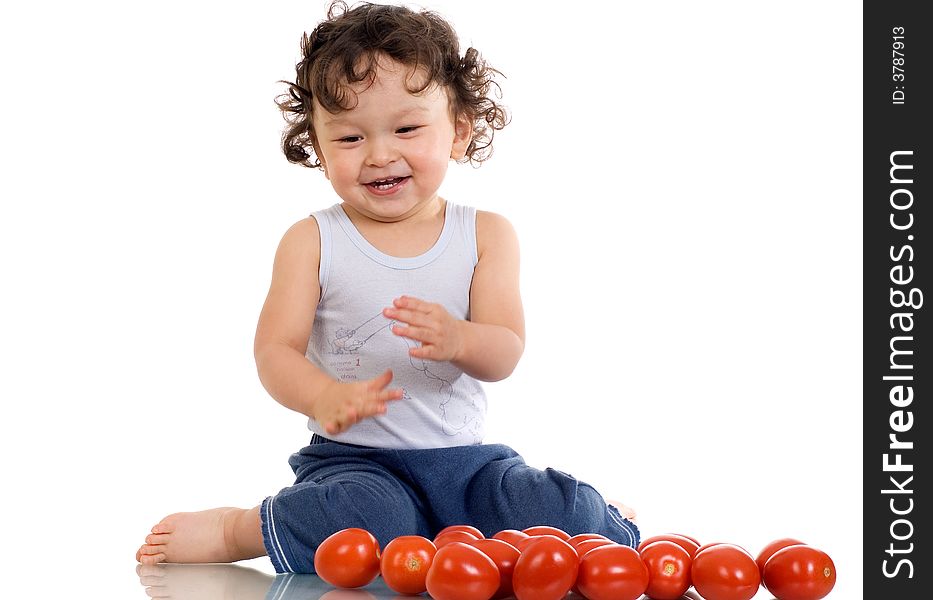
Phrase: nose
(381, 151)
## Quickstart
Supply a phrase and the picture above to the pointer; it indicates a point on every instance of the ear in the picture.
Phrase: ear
(320, 157)
(463, 135)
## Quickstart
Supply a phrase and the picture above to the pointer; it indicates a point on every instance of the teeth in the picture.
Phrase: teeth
(386, 183)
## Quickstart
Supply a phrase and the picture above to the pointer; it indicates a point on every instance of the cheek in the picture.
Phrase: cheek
(436, 151)
(342, 169)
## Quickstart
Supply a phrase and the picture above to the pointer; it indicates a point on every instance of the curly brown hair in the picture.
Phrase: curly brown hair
(344, 49)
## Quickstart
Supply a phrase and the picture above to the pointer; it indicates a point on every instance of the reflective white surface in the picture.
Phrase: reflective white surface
(229, 582)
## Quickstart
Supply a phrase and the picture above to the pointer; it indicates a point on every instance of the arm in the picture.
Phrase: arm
(282, 338)
(489, 345)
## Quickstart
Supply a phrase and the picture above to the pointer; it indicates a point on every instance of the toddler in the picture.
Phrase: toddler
(387, 310)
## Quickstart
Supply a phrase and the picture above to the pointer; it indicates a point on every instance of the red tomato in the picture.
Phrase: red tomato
(586, 545)
(511, 536)
(546, 569)
(523, 543)
(709, 545)
(546, 530)
(684, 542)
(468, 528)
(725, 572)
(799, 573)
(689, 537)
(462, 572)
(585, 536)
(455, 535)
(668, 570)
(405, 563)
(348, 558)
(612, 572)
(769, 550)
(505, 555)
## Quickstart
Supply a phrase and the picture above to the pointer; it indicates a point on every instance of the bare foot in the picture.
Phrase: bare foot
(218, 535)
(626, 511)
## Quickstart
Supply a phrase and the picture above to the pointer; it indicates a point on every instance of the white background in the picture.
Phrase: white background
(685, 179)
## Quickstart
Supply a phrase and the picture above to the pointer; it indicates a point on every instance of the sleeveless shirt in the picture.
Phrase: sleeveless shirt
(351, 340)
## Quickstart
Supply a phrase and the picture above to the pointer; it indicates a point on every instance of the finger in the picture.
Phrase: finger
(411, 303)
(419, 334)
(336, 427)
(407, 316)
(428, 352)
(389, 395)
(380, 382)
(376, 408)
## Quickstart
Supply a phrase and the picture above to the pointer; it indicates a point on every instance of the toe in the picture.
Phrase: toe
(163, 526)
(152, 559)
(141, 553)
(148, 550)
(157, 539)
(626, 511)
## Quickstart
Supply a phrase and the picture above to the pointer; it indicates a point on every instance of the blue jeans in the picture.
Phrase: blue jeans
(419, 492)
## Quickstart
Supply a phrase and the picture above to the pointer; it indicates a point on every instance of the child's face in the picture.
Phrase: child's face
(387, 156)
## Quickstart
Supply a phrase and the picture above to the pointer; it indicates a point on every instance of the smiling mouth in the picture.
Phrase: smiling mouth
(383, 185)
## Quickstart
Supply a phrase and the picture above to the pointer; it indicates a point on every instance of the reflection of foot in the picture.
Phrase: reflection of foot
(210, 536)
(204, 582)
(626, 511)
(288, 586)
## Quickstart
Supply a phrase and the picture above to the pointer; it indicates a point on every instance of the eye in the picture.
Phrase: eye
(408, 129)
(349, 139)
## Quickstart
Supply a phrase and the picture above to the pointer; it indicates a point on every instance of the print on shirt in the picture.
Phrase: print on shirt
(346, 343)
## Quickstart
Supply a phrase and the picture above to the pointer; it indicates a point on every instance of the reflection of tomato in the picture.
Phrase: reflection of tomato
(725, 572)
(547, 530)
(468, 528)
(683, 541)
(668, 570)
(769, 550)
(348, 558)
(405, 563)
(454, 535)
(799, 573)
(546, 569)
(462, 572)
(347, 595)
(510, 535)
(612, 572)
(505, 555)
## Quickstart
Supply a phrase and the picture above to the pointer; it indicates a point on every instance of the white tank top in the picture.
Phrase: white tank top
(352, 340)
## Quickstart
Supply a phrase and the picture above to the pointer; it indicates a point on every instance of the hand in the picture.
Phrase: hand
(428, 323)
(342, 404)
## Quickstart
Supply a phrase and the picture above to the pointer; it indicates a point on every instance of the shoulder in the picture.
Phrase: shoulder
(494, 232)
(301, 242)
(303, 231)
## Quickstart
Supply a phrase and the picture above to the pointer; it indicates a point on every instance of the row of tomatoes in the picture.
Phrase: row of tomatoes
(544, 563)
